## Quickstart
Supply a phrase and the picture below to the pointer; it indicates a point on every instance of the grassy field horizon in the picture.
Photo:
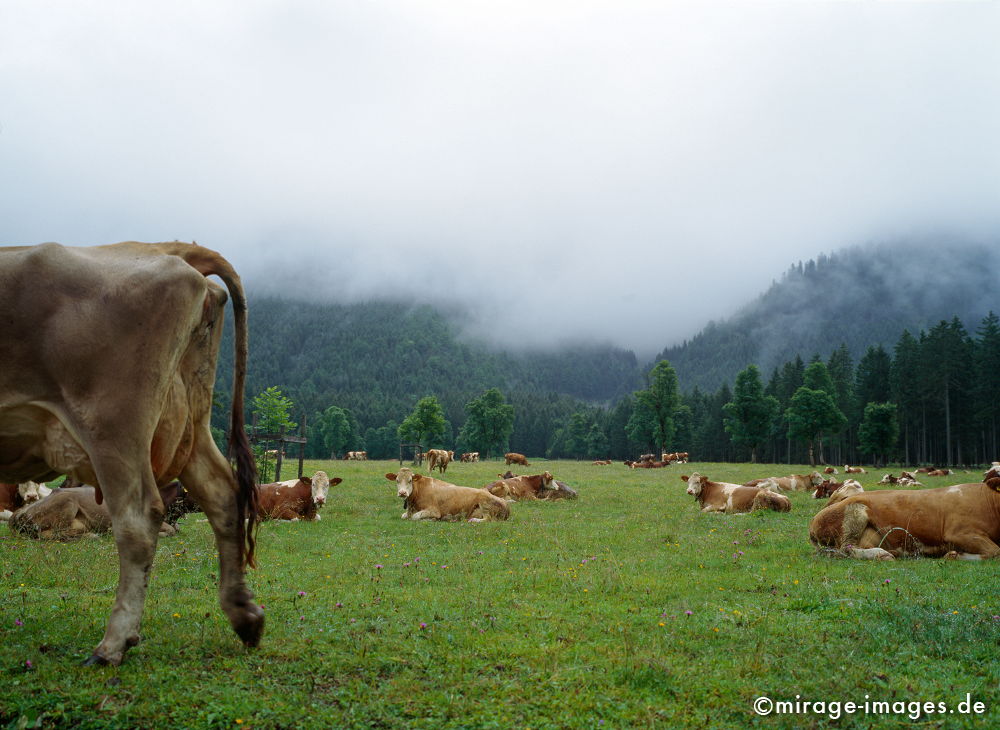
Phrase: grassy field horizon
(625, 608)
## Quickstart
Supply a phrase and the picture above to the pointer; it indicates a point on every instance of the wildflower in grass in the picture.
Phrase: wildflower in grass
(338, 604)
(888, 580)
(18, 622)
(406, 565)
(27, 664)
(177, 615)
(302, 618)
(796, 581)
(662, 624)
(301, 594)
(422, 626)
(688, 613)
(378, 566)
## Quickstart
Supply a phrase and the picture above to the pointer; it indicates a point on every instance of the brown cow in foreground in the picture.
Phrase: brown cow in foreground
(733, 498)
(295, 499)
(539, 486)
(427, 498)
(70, 513)
(515, 458)
(962, 521)
(122, 398)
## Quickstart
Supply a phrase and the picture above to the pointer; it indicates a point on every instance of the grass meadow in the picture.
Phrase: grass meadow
(627, 608)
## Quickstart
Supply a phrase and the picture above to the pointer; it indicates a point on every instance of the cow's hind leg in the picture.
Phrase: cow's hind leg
(136, 514)
(973, 546)
(210, 480)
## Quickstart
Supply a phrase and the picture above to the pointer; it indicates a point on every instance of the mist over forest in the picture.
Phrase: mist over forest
(376, 359)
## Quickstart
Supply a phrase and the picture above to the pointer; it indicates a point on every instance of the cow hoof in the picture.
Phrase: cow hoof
(952, 555)
(251, 628)
(96, 660)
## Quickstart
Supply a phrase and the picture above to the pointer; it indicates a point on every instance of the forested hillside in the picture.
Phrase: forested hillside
(377, 359)
(905, 331)
(857, 297)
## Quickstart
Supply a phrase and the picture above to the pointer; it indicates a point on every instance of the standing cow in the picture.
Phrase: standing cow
(108, 378)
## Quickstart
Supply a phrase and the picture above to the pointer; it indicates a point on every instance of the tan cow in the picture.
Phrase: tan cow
(66, 514)
(122, 398)
(962, 521)
(427, 498)
(438, 458)
(792, 483)
(515, 458)
(538, 486)
(733, 498)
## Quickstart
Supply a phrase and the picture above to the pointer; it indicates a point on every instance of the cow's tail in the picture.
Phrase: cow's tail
(208, 262)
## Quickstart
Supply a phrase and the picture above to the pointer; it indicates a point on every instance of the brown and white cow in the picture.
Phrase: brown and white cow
(849, 488)
(15, 496)
(355, 456)
(296, 499)
(66, 514)
(962, 521)
(854, 469)
(733, 498)
(438, 458)
(427, 498)
(830, 470)
(939, 472)
(602, 462)
(469, 457)
(129, 424)
(515, 458)
(537, 486)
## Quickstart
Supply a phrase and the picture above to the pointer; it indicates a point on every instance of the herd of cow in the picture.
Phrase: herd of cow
(959, 521)
(136, 427)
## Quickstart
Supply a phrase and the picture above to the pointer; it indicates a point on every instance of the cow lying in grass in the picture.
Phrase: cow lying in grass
(70, 513)
(295, 499)
(962, 521)
(427, 498)
(538, 486)
(15, 496)
(837, 491)
(733, 498)
(791, 483)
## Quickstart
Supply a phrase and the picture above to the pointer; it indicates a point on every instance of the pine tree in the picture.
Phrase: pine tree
(749, 416)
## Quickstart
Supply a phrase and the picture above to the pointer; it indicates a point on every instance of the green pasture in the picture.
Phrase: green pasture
(627, 608)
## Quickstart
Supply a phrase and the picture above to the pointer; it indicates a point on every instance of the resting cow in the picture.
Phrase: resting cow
(733, 498)
(295, 499)
(122, 398)
(74, 512)
(958, 521)
(854, 469)
(539, 486)
(469, 457)
(792, 483)
(515, 458)
(427, 498)
(15, 496)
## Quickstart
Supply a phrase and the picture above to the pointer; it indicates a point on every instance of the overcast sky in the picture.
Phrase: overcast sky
(620, 170)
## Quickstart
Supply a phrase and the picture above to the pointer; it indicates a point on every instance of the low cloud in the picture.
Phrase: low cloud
(565, 170)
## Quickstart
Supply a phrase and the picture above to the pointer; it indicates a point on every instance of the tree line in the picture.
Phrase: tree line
(932, 398)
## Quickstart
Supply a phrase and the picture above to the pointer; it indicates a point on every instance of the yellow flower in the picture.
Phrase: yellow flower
(177, 615)
(796, 581)
(662, 624)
